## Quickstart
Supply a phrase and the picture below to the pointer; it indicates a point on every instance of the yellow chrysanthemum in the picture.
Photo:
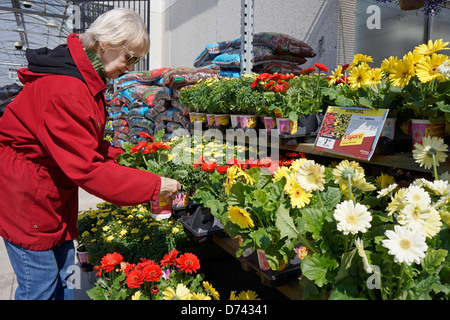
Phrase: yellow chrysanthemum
(427, 68)
(384, 180)
(209, 288)
(240, 216)
(402, 72)
(431, 47)
(388, 64)
(358, 76)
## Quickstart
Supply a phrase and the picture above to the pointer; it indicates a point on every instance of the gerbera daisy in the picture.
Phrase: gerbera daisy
(427, 68)
(431, 147)
(363, 185)
(240, 216)
(417, 196)
(297, 164)
(401, 73)
(231, 178)
(433, 224)
(347, 169)
(352, 217)
(384, 192)
(188, 262)
(431, 47)
(413, 216)
(358, 58)
(336, 75)
(444, 68)
(200, 296)
(415, 58)
(248, 295)
(384, 180)
(135, 278)
(358, 76)
(407, 246)
(281, 172)
(360, 248)
(374, 76)
(110, 260)
(397, 201)
(169, 258)
(311, 176)
(209, 288)
(388, 64)
(321, 67)
(439, 187)
(181, 293)
(152, 272)
(299, 197)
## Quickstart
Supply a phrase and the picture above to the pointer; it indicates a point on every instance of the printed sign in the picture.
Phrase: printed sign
(353, 132)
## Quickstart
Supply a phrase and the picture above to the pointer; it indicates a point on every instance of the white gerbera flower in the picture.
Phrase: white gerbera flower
(360, 247)
(433, 224)
(440, 187)
(417, 196)
(444, 68)
(384, 192)
(352, 218)
(311, 176)
(405, 245)
(414, 216)
(431, 147)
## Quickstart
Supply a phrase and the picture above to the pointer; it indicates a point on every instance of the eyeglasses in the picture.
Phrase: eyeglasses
(133, 59)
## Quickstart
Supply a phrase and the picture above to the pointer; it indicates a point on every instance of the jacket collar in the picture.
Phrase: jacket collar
(94, 83)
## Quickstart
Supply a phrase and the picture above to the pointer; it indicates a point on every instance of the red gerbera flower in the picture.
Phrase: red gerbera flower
(209, 166)
(307, 70)
(321, 67)
(137, 148)
(222, 169)
(198, 162)
(169, 258)
(110, 260)
(130, 267)
(135, 278)
(188, 262)
(152, 272)
(155, 146)
(145, 135)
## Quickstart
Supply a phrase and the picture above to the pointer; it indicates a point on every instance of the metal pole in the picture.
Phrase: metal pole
(246, 36)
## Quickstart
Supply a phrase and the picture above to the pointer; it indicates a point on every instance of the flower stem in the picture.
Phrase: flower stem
(436, 177)
(400, 280)
(320, 198)
(350, 194)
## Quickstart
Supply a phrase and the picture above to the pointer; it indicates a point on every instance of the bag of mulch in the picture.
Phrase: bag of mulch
(143, 77)
(119, 123)
(175, 103)
(142, 122)
(214, 49)
(172, 126)
(284, 44)
(152, 94)
(138, 112)
(161, 106)
(280, 67)
(182, 77)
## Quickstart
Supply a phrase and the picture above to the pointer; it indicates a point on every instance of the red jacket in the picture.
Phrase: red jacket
(51, 143)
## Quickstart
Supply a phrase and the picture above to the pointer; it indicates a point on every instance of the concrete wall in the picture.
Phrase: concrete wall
(180, 29)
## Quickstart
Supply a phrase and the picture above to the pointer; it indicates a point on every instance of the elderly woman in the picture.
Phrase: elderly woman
(51, 143)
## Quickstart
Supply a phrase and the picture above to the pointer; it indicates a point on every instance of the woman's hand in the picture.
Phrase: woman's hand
(169, 189)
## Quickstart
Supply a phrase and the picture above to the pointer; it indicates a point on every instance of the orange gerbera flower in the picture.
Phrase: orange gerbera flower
(169, 258)
(141, 145)
(188, 262)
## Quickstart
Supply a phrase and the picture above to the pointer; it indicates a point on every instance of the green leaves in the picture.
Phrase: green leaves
(315, 267)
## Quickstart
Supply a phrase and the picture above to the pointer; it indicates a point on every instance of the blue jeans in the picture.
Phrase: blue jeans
(42, 275)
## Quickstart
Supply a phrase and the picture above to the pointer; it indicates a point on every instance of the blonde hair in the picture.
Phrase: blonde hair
(118, 27)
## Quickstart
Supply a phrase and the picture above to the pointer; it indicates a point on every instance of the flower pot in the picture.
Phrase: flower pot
(200, 116)
(83, 257)
(309, 122)
(286, 126)
(192, 116)
(161, 209)
(410, 4)
(421, 128)
(269, 123)
(262, 260)
(388, 129)
(222, 120)
(248, 121)
(210, 120)
(235, 121)
(181, 199)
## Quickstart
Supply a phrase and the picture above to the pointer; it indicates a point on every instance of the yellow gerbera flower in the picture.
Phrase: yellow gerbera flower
(388, 64)
(427, 68)
(431, 47)
(430, 147)
(357, 58)
(299, 197)
(209, 288)
(281, 172)
(347, 169)
(181, 293)
(297, 164)
(200, 296)
(415, 58)
(335, 76)
(231, 178)
(358, 76)
(248, 295)
(397, 201)
(374, 76)
(402, 72)
(240, 216)
(384, 180)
